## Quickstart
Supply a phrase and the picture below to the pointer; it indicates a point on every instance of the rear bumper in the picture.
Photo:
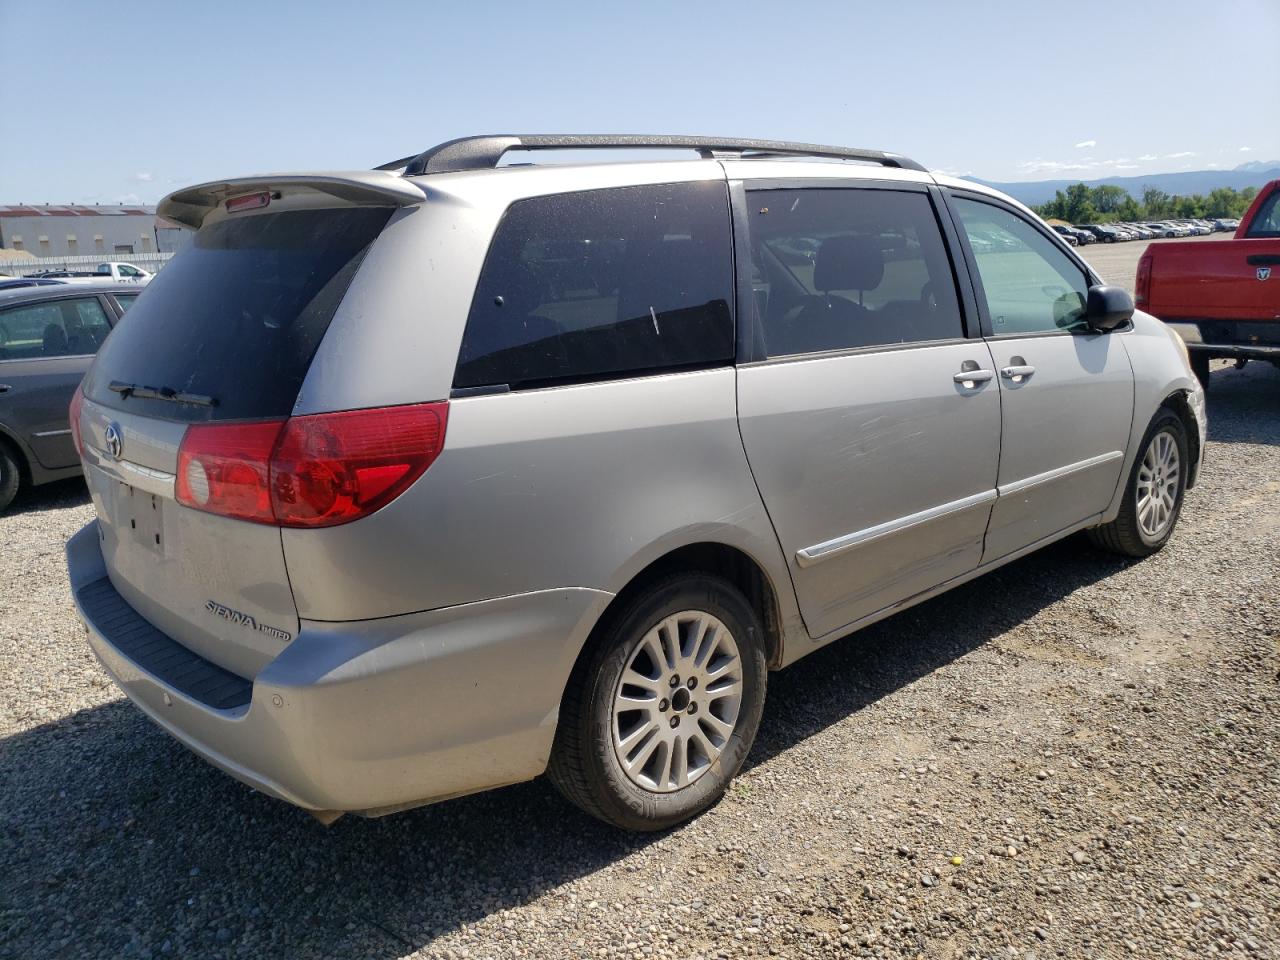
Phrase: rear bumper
(364, 716)
(1238, 339)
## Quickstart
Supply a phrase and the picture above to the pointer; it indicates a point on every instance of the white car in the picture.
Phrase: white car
(105, 272)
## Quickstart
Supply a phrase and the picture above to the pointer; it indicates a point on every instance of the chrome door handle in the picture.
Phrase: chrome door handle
(1018, 372)
(970, 378)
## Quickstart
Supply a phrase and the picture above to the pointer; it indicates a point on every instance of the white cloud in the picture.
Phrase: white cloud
(1245, 149)
(1085, 144)
(1180, 154)
(1039, 165)
(143, 177)
(953, 173)
(1083, 165)
(1148, 156)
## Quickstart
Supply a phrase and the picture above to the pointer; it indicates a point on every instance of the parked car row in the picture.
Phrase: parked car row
(1147, 230)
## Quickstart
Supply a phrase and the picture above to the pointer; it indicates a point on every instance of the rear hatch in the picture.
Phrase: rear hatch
(224, 334)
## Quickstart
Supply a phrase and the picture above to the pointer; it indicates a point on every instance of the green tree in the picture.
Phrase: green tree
(1108, 198)
(1080, 208)
(1157, 203)
(1223, 202)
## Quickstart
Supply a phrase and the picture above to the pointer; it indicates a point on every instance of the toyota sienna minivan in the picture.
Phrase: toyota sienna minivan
(419, 481)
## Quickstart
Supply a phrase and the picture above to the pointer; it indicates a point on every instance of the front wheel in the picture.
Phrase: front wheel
(10, 477)
(659, 716)
(1153, 499)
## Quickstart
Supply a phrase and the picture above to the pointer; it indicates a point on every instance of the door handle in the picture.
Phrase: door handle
(1263, 260)
(1017, 372)
(5, 388)
(971, 378)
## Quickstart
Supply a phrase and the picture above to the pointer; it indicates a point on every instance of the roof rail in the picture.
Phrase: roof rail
(482, 153)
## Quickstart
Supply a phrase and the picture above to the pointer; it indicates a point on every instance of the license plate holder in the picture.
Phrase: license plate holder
(139, 516)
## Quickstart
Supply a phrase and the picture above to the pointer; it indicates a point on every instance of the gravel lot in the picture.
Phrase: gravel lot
(1075, 756)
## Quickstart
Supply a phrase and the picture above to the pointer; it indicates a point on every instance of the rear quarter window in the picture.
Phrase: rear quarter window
(237, 315)
(603, 284)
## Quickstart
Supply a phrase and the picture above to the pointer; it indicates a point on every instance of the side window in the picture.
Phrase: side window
(835, 269)
(87, 328)
(126, 300)
(1267, 222)
(601, 284)
(1031, 286)
(65, 328)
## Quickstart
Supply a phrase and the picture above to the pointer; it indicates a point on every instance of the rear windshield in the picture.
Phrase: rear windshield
(237, 316)
(1267, 221)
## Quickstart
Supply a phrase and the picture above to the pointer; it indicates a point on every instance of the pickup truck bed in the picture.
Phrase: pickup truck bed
(1223, 297)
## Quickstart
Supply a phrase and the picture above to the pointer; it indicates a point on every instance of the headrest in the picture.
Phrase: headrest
(55, 339)
(848, 263)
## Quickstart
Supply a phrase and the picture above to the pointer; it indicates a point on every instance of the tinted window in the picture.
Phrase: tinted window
(836, 269)
(1031, 286)
(238, 314)
(603, 283)
(126, 300)
(57, 328)
(1267, 222)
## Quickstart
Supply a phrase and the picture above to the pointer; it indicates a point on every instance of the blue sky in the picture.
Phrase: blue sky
(128, 100)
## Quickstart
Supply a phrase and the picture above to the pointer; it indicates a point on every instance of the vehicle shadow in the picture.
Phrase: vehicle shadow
(120, 843)
(1244, 405)
(49, 496)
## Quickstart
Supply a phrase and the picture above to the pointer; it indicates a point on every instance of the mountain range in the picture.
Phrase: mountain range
(1252, 174)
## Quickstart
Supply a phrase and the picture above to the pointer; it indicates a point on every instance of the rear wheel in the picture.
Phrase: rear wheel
(1200, 367)
(10, 476)
(1153, 498)
(659, 717)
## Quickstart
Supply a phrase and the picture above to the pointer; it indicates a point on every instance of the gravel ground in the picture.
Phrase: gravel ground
(1076, 756)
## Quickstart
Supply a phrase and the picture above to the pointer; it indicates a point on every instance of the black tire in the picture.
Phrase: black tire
(10, 476)
(1200, 367)
(1124, 535)
(584, 765)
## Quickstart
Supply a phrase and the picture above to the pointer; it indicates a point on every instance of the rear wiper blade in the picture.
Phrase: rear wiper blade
(127, 390)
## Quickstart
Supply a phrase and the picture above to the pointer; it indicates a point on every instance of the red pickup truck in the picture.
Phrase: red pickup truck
(1222, 296)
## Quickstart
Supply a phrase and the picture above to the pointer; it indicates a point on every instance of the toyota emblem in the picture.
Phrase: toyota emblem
(115, 442)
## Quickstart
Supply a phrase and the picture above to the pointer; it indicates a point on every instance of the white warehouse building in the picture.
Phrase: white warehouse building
(70, 230)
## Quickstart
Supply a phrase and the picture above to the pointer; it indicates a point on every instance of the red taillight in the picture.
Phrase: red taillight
(250, 201)
(226, 468)
(312, 471)
(73, 412)
(1142, 286)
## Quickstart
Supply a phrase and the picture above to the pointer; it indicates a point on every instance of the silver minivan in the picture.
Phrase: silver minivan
(420, 481)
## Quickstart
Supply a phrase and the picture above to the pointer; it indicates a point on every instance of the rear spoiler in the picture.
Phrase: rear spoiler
(190, 205)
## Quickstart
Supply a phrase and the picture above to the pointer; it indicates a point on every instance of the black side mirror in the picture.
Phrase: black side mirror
(1107, 308)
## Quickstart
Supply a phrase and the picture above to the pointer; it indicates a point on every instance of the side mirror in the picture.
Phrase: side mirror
(1107, 308)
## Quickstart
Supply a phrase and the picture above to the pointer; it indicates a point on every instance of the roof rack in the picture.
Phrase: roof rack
(483, 153)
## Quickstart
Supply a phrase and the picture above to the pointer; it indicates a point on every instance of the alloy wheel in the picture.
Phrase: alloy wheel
(676, 704)
(1157, 485)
